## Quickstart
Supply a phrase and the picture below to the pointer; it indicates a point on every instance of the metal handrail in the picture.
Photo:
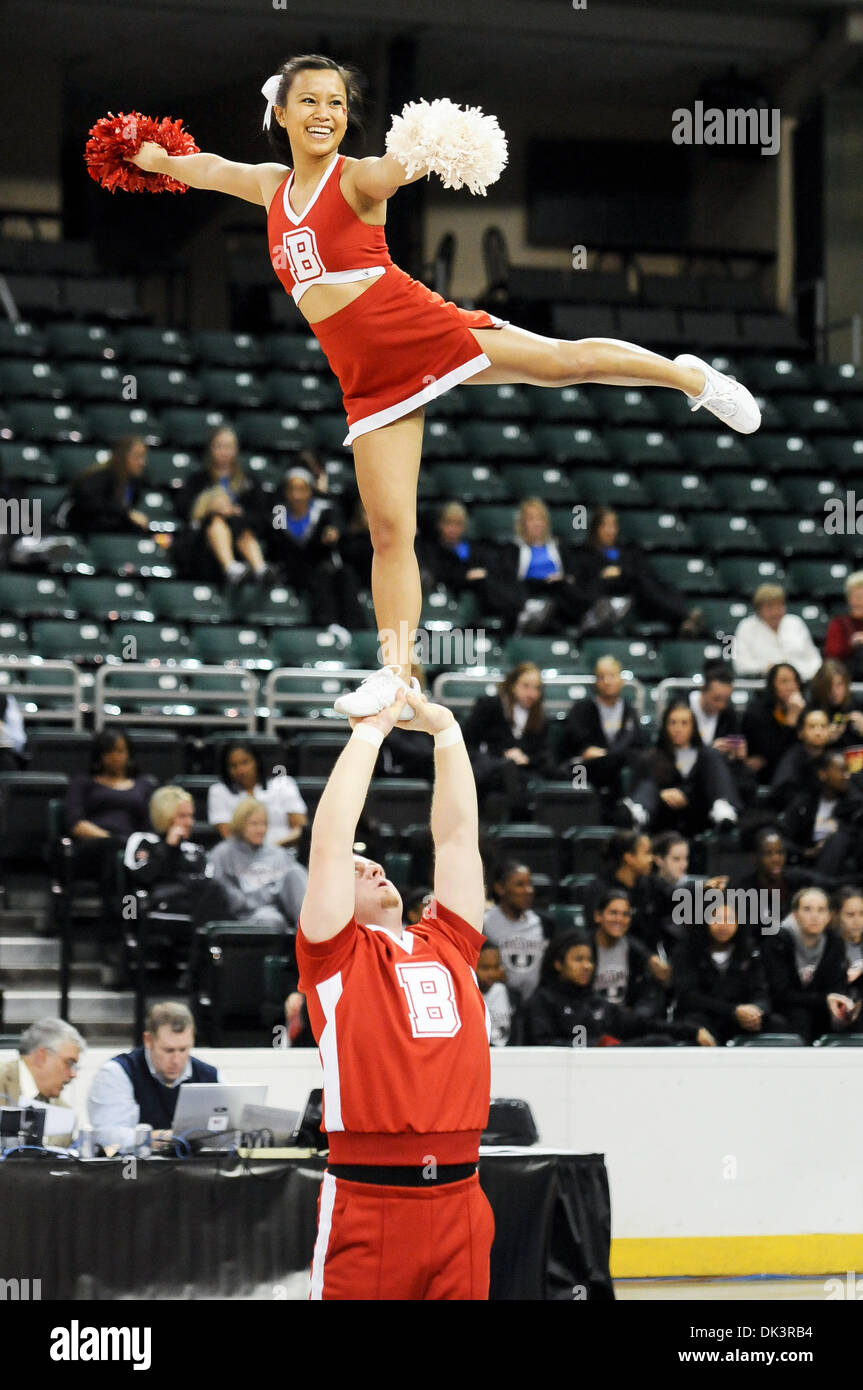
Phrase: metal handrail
(75, 713)
(184, 694)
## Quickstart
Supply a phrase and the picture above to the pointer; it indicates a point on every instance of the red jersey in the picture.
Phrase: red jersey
(325, 244)
(403, 1036)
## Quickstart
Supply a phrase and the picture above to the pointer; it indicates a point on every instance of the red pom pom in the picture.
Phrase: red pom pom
(113, 138)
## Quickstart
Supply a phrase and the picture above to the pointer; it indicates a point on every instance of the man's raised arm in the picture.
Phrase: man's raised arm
(329, 902)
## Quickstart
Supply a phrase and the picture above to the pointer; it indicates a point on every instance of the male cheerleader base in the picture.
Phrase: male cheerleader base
(403, 1035)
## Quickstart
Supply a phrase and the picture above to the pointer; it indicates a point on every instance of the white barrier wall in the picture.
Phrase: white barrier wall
(736, 1160)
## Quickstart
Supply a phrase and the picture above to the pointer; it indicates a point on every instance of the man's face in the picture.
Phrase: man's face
(52, 1070)
(715, 697)
(609, 681)
(373, 892)
(170, 1051)
(835, 777)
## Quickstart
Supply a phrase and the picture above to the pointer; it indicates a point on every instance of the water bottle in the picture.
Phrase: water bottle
(86, 1142)
(143, 1141)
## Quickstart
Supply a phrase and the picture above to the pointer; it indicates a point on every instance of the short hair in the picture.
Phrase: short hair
(854, 581)
(172, 1014)
(844, 895)
(718, 671)
(243, 811)
(664, 843)
(164, 804)
(767, 593)
(801, 893)
(609, 895)
(50, 1033)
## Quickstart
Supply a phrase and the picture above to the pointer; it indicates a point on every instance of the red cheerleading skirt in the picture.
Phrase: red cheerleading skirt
(398, 345)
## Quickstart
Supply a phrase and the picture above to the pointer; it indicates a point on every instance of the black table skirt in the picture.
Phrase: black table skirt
(213, 1228)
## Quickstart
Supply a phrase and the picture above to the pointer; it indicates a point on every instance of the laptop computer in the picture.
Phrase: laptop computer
(209, 1115)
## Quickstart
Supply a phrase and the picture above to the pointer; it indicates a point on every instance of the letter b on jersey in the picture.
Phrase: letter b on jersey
(431, 998)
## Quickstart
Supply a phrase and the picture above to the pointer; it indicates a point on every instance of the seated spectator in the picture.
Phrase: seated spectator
(770, 723)
(614, 576)
(507, 739)
(622, 972)
(603, 733)
(462, 566)
(796, 770)
(241, 774)
(719, 978)
(415, 904)
(502, 1007)
(627, 863)
(773, 880)
(824, 820)
(142, 1086)
(304, 542)
(670, 873)
(262, 883)
(806, 970)
(106, 498)
(312, 460)
(174, 870)
(356, 544)
(48, 1053)
(13, 740)
(831, 691)
(103, 808)
(680, 784)
(718, 724)
(227, 515)
(512, 925)
(566, 1011)
(848, 922)
(844, 639)
(539, 569)
(771, 635)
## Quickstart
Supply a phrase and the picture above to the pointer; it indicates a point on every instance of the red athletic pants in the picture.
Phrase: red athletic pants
(402, 1243)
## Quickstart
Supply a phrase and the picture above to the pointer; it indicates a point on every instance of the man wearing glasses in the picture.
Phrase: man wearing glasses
(47, 1060)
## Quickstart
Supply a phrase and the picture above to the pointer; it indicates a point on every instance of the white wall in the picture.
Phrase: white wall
(737, 1142)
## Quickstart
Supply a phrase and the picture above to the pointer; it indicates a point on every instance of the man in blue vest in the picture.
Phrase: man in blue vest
(141, 1087)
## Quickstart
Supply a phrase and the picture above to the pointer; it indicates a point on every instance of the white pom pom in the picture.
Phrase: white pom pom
(466, 148)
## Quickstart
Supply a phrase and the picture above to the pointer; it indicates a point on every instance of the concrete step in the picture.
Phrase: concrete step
(86, 1007)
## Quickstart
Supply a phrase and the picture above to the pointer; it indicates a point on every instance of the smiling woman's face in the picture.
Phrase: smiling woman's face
(315, 114)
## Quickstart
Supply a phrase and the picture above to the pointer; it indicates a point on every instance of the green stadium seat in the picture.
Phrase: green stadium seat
(303, 391)
(28, 462)
(494, 523)
(158, 641)
(548, 653)
(167, 386)
(22, 339)
(47, 420)
(128, 554)
(639, 448)
(571, 444)
(772, 416)
(33, 595)
(770, 374)
(300, 646)
(852, 408)
(809, 493)
(488, 440)
(839, 1040)
(229, 389)
(563, 403)
(190, 427)
(83, 341)
(295, 352)
(68, 640)
(678, 491)
(14, 640)
(614, 487)
(186, 601)
(98, 599)
(844, 456)
(109, 422)
(399, 801)
(561, 805)
(452, 405)
(705, 450)
(142, 344)
(583, 847)
(798, 535)
(440, 608)
(721, 532)
(158, 507)
(566, 917)
(720, 615)
(749, 492)
(329, 431)
(658, 531)
(782, 453)
(499, 403)
(634, 655)
(317, 753)
(547, 481)
(220, 349)
(742, 574)
(814, 615)
(280, 607)
(768, 1040)
(626, 407)
(48, 498)
(692, 574)
(836, 378)
(228, 643)
(468, 482)
(169, 468)
(441, 440)
(814, 414)
(533, 845)
(71, 460)
(265, 429)
(826, 578)
(31, 378)
(94, 381)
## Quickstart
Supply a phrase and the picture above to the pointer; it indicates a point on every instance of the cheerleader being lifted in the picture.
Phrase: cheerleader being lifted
(392, 343)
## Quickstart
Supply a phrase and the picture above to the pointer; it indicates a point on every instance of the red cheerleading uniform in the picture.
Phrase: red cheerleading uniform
(398, 344)
(402, 1030)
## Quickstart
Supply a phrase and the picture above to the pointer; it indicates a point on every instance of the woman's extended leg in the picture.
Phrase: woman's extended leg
(518, 356)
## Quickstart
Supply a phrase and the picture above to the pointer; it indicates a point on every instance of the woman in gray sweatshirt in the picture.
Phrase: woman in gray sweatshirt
(263, 883)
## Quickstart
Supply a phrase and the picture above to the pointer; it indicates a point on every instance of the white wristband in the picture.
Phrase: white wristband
(447, 737)
(368, 733)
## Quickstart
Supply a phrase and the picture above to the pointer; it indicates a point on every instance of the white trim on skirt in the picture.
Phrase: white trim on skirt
(428, 393)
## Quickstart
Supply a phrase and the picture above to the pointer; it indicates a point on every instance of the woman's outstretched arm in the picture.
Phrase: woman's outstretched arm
(379, 178)
(210, 171)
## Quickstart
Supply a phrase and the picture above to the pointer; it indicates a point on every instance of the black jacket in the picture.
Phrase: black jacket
(797, 821)
(441, 565)
(701, 989)
(556, 1009)
(795, 773)
(253, 501)
(582, 728)
(792, 879)
(99, 503)
(487, 729)
(783, 980)
(766, 737)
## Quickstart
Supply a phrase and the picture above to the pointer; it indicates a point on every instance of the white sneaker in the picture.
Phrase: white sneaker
(637, 811)
(723, 813)
(377, 692)
(724, 397)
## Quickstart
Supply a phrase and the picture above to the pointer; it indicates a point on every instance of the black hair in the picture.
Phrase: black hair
(555, 951)
(718, 671)
(804, 715)
(830, 755)
(608, 895)
(316, 62)
(768, 832)
(620, 843)
(505, 868)
(103, 742)
(663, 741)
(417, 897)
(231, 747)
(770, 679)
(663, 844)
(843, 895)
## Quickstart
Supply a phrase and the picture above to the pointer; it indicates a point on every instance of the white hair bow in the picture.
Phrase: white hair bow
(270, 90)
